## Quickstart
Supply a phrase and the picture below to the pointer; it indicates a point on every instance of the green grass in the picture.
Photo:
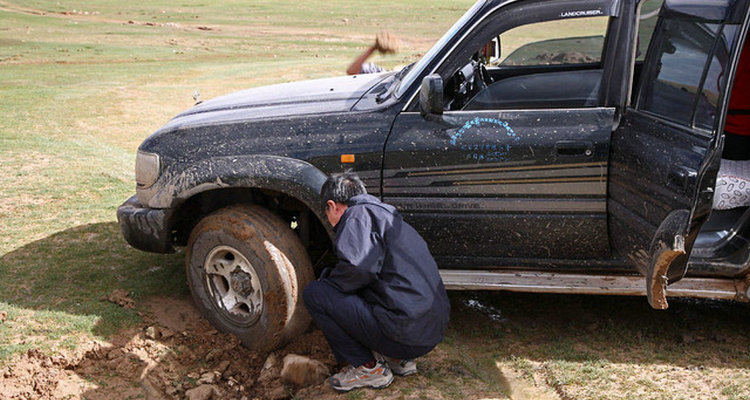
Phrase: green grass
(80, 92)
(83, 83)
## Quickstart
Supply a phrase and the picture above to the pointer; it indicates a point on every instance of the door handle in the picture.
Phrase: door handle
(572, 148)
(682, 177)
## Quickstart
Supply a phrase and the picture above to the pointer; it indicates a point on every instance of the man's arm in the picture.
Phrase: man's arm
(356, 66)
(360, 252)
(385, 43)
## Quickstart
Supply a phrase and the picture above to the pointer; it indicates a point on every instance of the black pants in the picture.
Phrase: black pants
(350, 328)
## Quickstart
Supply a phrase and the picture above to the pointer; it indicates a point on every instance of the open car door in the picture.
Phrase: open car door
(665, 153)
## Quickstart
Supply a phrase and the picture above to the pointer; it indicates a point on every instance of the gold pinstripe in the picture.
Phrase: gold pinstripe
(504, 169)
(533, 180)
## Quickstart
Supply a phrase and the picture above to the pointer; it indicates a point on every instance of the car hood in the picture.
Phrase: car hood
(297, 98)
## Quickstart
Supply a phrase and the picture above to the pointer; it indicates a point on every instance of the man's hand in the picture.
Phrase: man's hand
(386, 43)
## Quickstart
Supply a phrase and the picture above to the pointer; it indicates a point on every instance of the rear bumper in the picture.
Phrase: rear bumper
(145, 228)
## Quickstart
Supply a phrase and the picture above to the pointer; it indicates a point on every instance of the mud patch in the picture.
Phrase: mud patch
(175, 354)
(121, 298)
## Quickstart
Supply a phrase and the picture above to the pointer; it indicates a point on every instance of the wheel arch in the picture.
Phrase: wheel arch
(286, 186)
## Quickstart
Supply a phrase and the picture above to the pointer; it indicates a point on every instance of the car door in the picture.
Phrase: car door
(666, 150)
(516, 173)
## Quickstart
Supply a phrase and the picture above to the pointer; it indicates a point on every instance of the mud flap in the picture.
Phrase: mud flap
(668, 257)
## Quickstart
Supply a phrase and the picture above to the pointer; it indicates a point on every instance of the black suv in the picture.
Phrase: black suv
(560, 146)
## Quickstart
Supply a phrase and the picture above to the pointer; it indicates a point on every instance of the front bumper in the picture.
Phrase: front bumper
(145, 228)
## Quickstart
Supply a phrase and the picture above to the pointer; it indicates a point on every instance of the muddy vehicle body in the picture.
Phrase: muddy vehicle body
(582, 160)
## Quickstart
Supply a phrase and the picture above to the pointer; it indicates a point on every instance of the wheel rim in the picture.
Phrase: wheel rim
(233, 285)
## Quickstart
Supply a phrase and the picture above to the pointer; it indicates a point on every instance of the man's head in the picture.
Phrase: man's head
(336, 192)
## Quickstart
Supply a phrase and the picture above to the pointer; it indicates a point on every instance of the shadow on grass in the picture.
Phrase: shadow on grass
(597, 331)
(72, 271)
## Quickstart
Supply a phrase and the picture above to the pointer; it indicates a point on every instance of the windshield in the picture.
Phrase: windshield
(422, 63)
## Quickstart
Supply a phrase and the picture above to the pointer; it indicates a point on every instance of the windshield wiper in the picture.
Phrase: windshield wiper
(396, 78)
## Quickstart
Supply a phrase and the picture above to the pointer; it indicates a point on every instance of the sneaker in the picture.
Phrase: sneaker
(398, 367)
(377, 377)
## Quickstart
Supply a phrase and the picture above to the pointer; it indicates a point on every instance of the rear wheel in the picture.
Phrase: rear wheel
(246, 270)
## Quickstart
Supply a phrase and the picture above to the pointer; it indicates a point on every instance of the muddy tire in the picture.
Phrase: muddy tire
(246, 270)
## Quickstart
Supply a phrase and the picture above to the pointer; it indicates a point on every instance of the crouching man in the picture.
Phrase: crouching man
(383, 304)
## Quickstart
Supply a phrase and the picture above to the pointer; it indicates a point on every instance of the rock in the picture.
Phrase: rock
(303, 371)
(270, 369)
(271, 361)
(223, 366)
(166, 333)
(203, 392)
(207, 378)
(3, 316)
(151, 333)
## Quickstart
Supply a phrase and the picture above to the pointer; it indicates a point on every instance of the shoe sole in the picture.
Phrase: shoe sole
(343, 390)
(407, 373)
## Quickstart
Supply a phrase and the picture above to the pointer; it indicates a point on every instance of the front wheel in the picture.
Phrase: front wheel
(246, 270)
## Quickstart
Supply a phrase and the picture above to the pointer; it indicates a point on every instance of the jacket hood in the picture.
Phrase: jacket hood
(297, 98)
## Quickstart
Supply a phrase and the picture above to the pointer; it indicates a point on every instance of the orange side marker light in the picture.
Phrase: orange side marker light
(347, 158)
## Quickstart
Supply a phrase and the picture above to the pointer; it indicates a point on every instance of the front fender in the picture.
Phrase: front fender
(293, 177)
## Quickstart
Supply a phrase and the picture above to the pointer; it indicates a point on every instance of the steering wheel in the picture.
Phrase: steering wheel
(467, 82)
(481, 73)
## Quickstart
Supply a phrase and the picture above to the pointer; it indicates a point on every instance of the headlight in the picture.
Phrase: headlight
(146, 169)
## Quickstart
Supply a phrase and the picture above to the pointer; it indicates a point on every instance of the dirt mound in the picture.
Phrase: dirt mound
(175, 354)
(35, 375)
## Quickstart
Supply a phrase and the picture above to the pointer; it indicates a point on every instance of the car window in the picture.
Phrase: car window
(708, 101)
(649, 14)
(571, 41)
(683, 62)
(414, 72)
(550, 64)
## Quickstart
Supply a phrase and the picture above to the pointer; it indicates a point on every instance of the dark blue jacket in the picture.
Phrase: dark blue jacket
(385, 261)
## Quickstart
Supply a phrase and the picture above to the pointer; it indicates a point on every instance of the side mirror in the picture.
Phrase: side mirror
(431, 95)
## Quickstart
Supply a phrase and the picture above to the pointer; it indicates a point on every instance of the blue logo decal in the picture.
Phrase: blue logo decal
(484, 152)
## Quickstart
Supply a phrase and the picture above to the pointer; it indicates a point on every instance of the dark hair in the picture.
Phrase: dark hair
(341, 187)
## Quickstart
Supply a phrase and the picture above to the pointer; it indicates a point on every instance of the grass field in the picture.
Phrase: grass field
(82, 83)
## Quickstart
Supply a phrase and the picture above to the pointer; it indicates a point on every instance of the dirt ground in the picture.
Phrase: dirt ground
(177, 354)
(174, 354)
(534, 347)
